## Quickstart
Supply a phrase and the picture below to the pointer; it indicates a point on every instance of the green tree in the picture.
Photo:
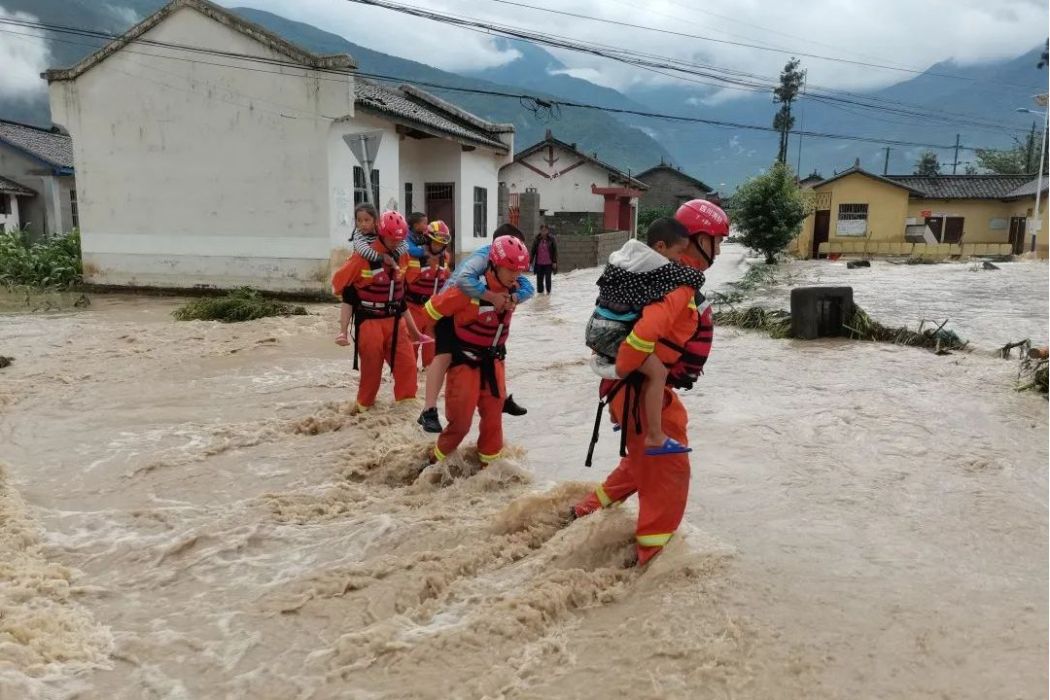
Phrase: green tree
(791, 79)
(1020, 159)
(651, 214)
(928, 164)
(768, 210)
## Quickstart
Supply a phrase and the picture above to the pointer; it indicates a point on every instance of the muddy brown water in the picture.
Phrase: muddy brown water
(188, 510)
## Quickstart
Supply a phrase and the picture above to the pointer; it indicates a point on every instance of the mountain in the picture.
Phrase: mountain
(594, 130)
(721, 155)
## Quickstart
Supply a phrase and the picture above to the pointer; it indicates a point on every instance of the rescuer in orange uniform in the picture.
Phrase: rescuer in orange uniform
(661, 481)
(426, 276)
(382, 330)
(476, 378)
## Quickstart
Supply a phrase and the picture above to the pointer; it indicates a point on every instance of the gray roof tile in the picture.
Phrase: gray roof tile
(1028, 188)
(49, 146)
(963, 186)
(12, 187)
(418, 113)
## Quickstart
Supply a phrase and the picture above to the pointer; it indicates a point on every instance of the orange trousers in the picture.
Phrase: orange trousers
(463, 395)
(425, 324)
(661, 482)
(374, 340)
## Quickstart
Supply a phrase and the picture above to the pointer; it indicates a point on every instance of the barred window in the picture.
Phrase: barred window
(73, 208)
(853, 212)
(481, 208)
(408, 199)
(360, 191)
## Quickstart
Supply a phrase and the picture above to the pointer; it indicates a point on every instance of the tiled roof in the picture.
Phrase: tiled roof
(571, 148)
(676, 172)
(1028, 188)
(857, 170)
(12, 187)
(964, 186)
(49, 146)
(405, 105)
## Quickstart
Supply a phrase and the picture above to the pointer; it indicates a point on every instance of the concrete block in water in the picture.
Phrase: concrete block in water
(820, 312)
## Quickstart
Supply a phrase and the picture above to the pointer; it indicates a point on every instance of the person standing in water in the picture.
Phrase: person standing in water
(545, 258)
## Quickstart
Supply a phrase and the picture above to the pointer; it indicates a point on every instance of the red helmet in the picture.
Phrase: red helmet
(509, 252)
(700, 216)
(438, 232)
(393, 225)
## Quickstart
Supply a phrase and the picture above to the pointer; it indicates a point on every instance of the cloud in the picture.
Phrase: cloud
(895, 32)
(23, 59)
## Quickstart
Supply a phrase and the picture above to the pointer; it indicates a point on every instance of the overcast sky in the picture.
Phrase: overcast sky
(910, 33)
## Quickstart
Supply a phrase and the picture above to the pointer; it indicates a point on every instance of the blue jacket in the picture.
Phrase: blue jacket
(470, 277)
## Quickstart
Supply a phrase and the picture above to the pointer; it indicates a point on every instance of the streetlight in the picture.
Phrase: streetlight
(1037, 222)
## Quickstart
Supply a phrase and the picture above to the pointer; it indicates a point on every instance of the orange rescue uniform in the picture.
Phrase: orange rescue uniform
(424, 281)
(379, 299)
(661, 481)
(476, 379)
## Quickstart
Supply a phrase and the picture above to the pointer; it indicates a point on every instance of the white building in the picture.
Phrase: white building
(212, 152)
(36, 180)
(577, 191)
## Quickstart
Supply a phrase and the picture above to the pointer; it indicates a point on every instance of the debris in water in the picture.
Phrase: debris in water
(244, 304)
(854, 264)
(5, 361)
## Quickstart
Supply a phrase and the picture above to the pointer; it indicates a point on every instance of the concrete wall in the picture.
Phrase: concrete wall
(977, 213)
(576, 252)
(478, 168)
(668, 189)
(188, 172)
(574, 222)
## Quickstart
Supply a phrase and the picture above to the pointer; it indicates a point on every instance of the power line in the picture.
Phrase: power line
(414, 11)
(546, 102)
(736, 80)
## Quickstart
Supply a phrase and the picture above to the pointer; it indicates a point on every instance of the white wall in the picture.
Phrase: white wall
(193, 174)
(568, 192)
(39, 214)
(478, 168)
(341, 162)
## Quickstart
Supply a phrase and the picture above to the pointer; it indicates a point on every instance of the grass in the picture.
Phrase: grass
(244, 304)
(50, 263)
(755, 277)
(860, 327)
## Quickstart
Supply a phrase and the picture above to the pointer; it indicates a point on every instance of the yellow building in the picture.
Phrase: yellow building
(860, 213)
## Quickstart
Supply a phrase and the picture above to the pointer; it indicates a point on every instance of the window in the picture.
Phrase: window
(481, 209)
(73, 208)
(360, 193)
(5, 206)
(853, 220)
(408, 198)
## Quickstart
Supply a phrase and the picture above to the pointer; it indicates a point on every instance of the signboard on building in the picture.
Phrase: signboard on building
(855, 227)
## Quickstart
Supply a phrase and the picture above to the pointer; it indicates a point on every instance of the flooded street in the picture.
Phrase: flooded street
(188, 510)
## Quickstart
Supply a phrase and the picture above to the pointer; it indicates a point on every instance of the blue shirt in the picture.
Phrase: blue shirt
(469, 276)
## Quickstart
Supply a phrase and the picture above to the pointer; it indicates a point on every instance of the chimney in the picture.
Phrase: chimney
(573, 144)
(549, 135)
(856, 163)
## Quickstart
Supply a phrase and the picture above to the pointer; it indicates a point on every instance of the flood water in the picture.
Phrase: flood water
(188, 510)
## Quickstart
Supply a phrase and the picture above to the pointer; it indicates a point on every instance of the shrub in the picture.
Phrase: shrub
(49, 263)
(244, 304)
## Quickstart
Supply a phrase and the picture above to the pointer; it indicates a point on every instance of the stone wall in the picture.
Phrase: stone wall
(573, 223)
(576, 252)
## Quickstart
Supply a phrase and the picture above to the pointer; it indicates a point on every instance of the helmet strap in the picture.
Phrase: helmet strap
(696, 242)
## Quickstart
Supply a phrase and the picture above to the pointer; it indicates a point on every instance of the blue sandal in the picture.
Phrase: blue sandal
(670, 447)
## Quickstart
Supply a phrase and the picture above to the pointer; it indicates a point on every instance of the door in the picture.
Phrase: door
(1017, 231)
(935, 225)
(953, 229)
(440, 201)
(821, 225)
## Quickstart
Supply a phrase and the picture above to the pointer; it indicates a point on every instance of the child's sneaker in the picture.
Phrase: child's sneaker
(429, 420)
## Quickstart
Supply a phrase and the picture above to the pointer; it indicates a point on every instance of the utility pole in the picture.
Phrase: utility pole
(955, 163)
(801, 119)
(886, 163)
(1030, 151)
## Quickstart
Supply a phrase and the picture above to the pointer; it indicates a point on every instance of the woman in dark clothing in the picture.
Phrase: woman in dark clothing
(545, 259)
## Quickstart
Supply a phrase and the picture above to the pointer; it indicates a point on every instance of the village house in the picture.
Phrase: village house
(37, 191)
(578, 193)
(858, 212)
(216, 153)
(670, 188)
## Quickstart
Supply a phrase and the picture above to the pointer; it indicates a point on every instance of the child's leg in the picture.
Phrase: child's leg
(653, 400)
(344, 324)
(435, 378)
